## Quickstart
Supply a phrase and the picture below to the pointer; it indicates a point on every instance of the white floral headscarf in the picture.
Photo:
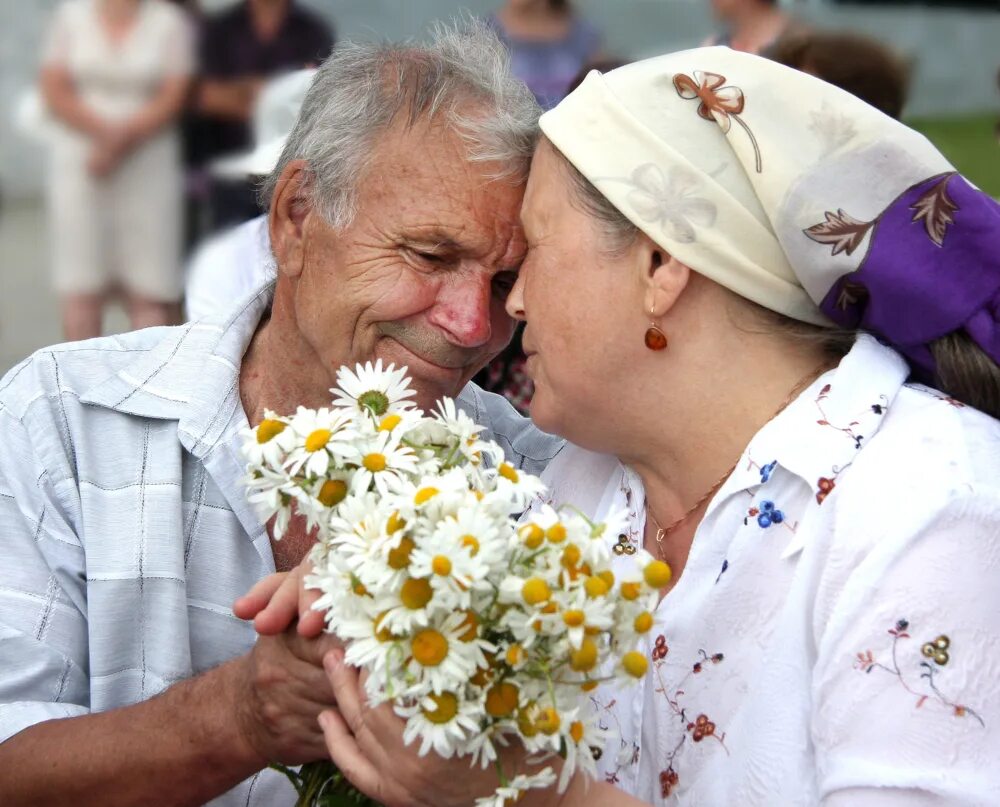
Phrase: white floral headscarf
(773, 184)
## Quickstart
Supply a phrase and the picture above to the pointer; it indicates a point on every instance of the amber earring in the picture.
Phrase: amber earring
(655, 338)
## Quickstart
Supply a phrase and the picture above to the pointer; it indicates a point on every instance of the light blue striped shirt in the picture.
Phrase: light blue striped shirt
(124, 529)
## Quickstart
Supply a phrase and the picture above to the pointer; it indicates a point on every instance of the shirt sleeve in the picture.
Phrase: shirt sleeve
(43, 628)
(907, 681)
(179, 37)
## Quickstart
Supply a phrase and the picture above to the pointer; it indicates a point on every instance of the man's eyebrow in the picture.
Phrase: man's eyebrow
(436, 239)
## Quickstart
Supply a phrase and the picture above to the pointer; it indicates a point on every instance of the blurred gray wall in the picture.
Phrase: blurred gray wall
(954, 53)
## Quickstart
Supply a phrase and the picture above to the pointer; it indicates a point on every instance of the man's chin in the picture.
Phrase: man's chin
(430, 381)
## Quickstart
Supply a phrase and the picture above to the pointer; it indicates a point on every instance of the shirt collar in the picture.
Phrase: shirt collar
(191, 376)
(825, 428)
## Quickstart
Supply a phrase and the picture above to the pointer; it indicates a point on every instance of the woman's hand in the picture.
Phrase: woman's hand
(367, 745)
(278, 600)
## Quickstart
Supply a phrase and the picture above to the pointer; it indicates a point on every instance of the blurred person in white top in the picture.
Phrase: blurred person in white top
(230, 264)
(115, 76)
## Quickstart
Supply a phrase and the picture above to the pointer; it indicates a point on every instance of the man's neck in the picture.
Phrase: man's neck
(280, 370)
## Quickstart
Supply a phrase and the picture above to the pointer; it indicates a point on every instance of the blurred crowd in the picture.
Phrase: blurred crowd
(162, 120)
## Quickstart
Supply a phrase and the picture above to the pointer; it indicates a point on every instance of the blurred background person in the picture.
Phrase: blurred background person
(240, 49)
(548, 42)
(230, 264)
(856, 63)
(115, 74)
(751, 25)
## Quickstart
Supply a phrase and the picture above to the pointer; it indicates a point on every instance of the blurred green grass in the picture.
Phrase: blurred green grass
(970, 144)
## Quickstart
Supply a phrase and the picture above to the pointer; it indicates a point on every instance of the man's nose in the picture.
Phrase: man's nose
(463, 310)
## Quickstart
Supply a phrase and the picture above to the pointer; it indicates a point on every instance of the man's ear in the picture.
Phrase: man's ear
(664, 277)
(290, 207)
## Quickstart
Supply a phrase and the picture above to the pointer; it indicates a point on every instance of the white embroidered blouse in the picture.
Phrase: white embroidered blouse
(834, 636)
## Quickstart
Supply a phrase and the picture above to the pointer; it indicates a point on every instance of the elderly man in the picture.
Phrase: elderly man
(126, 535)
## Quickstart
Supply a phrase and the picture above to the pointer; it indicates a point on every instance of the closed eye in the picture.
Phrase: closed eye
(503, 282)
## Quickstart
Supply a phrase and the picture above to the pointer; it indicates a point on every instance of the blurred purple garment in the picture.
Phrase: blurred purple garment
(549, 67)
(932, 267)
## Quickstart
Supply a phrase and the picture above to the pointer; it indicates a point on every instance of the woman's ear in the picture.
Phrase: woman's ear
(290, 206)
(665, 278)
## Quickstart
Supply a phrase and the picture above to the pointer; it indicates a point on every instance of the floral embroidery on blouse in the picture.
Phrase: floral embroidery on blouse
(628, 750)
(701, 728)
(826, 484)
(722, 104)
(936, 653)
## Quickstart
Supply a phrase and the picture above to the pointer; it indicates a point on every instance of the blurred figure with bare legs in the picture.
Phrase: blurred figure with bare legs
(114, 75)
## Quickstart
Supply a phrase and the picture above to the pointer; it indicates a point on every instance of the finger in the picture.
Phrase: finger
(349, 758)
(250, 604)
(346, 689)
(282, 608)
(311, 622)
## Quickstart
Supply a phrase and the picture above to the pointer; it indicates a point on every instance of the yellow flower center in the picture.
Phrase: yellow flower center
(425, 495)
(481, 677)
(515, 655)
(445, 708)
(570, 556)
(506, 470)
(429, 648)
(470, 542)
(394, 524)
(318, 440)
(576, 731)
(535, 590)
(399, 558)
(525, 722)
(416, 593)
(382, 634)
(635, 664)
(608, 577)
(589, 686)
(501, 700)
(556, 533)
(548, 721)
(574, 619)
(643, 622)
(332, 492)
(595, 587)
(374, 462)
(269, 429)
(441, 565)
(584, 657)
(631, 591)
(471, 625)
(657, 574)
(532, 535)
(359, 589)
(389, 422)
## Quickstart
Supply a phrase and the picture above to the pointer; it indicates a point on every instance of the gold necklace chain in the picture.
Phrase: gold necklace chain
(663, 532)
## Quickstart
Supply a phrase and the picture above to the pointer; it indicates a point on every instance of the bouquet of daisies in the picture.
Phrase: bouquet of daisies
(479, 630)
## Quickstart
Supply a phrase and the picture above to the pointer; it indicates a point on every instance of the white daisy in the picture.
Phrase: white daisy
(381, 462)
(267, 444)
(323, 439)
(517, 787)
(372, 390)
(440, 657)
(443, 722)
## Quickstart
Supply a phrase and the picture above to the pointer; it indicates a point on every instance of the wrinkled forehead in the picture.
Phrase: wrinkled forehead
(420, 181)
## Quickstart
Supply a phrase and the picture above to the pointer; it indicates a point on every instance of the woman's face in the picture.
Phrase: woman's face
(583, 308)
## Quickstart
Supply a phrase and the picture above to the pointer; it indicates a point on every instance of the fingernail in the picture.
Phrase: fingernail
(331, 661)
(323, 718)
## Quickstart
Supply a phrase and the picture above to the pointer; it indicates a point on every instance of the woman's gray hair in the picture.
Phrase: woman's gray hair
(363, 88)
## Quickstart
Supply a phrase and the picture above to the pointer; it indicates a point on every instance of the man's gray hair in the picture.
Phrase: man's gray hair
(361, 89)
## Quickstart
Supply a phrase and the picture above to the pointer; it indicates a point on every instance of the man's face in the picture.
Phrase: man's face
(421, 275)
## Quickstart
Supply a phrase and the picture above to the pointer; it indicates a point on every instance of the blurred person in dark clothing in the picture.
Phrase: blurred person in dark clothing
(751, 25)
(858, 64)
(240, 49)
(114, 76)
(548, 43)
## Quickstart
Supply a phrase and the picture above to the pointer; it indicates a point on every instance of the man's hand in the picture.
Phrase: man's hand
(278, 600)
(280, 691)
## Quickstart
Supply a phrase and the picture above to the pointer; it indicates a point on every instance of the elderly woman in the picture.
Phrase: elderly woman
(737, 278)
